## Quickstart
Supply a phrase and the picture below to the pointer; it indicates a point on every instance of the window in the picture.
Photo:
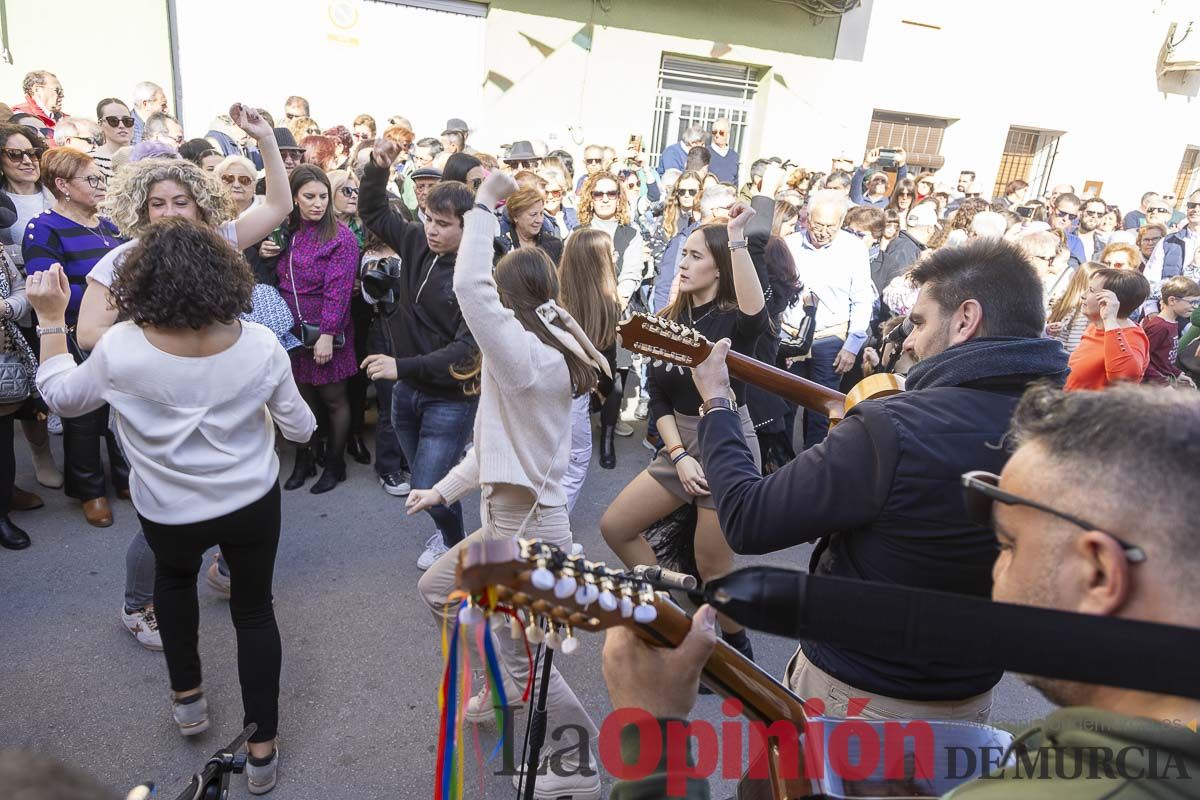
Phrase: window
(694, 91)
(1187, 180)
(921, 137)
(1028, 156)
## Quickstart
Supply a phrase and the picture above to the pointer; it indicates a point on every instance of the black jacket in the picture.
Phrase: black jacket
(426, 324)
(901, 254)
(883, 495)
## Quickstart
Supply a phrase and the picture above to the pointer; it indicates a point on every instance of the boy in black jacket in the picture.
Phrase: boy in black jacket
(435, 359)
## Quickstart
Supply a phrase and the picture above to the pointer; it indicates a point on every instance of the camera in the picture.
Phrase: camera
(381, 280)
(889, 158)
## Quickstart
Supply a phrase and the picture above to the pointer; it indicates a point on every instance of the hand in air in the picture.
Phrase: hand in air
(773, 180)
(496, 188)
(251, 121)
(739, 217)
(385, 152)
(49, 292)
(634, 670)
(422, 500)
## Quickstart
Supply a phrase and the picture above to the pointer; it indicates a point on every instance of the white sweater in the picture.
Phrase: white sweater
(522, 427)
(198, 433)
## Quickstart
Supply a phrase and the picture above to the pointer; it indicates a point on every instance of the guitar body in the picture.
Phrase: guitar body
(873, 387)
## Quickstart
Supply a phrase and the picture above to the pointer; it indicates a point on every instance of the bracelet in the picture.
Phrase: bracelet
(740, 244)
(676, 447)
(63, 329)
(680, 457)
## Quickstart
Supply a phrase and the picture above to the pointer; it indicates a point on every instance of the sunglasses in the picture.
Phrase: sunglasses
(593, 161)
(522, 164)
(981, 490)
(1091, 212)
(349, 191)
(291, 155)
(476, 183)
(688, 192)
(904, 193)
(17, 156)
(313, 131)
(362, 137)
(118, 122)
(1159, 210)
(1193, 206)
(242, 179)
(94, 181)
(554, 193)
(1065, 215)
(94, 141)
(610, 195)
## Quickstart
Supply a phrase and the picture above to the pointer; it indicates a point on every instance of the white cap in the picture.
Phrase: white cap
(924, 215)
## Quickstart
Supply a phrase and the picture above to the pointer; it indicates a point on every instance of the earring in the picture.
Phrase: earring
(67, 196)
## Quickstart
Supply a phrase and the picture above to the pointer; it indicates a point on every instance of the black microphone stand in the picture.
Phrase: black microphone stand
(537, 725)
(213, 782)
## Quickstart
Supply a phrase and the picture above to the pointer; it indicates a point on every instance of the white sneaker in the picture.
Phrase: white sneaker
(144, 627)
(643, 408)
(54, 424)
(623, 428)
(394, 484)
(480, 708)
(434, 549)
(551, 786)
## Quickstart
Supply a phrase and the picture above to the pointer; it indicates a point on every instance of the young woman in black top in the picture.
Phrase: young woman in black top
(720, 295)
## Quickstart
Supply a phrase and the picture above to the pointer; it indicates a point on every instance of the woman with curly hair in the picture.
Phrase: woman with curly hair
(603, 206)
(73, 234)
(192, 385)
(316, 278)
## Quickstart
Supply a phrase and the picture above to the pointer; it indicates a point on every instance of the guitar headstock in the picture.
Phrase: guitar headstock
(663, 340)
(564, 589)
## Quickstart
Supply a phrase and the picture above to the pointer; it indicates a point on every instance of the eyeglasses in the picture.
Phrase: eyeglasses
(119, 122)
(94, 141)
(17, 156)
(312, 131)
(688, 192)
(1159, 210)
(554, 193)
(609, 195)
(974, 195)
(904, 193)
(290, 116)
(593, 161)
(349, 191)
(1091, 212)
(244, 180)
(476, 183)
(720, 133)
(362, 137)
(1058, 212)
(859, 234)
(94, 181)
(822, 226)
(1193, 206)
(291, 155)
(981, 490)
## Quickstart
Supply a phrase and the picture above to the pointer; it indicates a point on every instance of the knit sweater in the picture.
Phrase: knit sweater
(1105, 357)
(522, 427)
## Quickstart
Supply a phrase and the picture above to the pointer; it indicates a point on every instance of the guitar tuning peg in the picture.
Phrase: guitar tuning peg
(626, 603)
(553, 640)
(645, 613)
(576, 549)
(657, 362)
(470, 614)
(607, 600)
(564, 587)
(542, 578)
(534, 632)
(570, 644)
(515, 629)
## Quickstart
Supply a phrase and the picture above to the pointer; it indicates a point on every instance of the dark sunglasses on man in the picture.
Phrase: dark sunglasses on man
(1058, 212)
(593, 161)
(1158, 210)
(981, 490)
(118, 122)
(1192, 206)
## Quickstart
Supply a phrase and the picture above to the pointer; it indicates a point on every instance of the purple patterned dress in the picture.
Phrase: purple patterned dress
(324, 273)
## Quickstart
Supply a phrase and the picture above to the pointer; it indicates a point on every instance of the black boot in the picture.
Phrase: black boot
(608, 455)
(357, 449)
(318, 448)
(11, 535)
(335, 473)
(304, 469)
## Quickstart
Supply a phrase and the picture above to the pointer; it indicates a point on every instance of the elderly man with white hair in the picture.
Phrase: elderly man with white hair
(716, 202)
(987, 225)
(78, 133)
(148, 98)
(835, 269)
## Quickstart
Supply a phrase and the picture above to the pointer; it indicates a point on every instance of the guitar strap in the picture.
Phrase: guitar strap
(928, 627)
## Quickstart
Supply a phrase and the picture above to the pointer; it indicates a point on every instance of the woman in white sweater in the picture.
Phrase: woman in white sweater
(196, 395)
(535, 360)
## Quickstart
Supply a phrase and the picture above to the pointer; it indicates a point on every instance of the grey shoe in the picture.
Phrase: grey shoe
(192, 718)
(260, 780)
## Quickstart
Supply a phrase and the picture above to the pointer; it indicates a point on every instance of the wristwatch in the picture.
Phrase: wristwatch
(717, 403)
(738, 244)
(51, 331)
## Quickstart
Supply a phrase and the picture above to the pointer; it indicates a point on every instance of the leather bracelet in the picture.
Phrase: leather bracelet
(676, 447)
(64, 330)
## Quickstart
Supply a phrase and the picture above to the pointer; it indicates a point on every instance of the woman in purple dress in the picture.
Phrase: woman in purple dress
(316, 277)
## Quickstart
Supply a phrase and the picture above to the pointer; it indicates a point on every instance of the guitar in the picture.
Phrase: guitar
(573, 594)
(666, 341)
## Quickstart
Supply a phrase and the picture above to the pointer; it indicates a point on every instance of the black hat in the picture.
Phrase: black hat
(285, 139)
(426, 172)
(521, 151)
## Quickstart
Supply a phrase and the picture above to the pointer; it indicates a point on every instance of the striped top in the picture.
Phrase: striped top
(52, 238)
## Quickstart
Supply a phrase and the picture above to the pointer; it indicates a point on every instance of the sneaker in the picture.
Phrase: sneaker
(260, 780)
(643, 408)
(54, 424)
(480, 708)
(623, 428)
(435, 548)
(216, 579)
(143, 625)
(394, 484)
(652, 443)
(192, 718)
(552, 786)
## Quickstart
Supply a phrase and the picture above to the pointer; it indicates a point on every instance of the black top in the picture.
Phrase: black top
(673, 391)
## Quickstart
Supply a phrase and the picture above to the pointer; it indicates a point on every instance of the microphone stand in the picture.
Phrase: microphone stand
(213, 782)
(537, 725)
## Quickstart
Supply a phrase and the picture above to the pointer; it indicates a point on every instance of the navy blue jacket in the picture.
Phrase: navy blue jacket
(882, 494)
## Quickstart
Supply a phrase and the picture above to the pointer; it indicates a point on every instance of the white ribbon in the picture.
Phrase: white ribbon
(570, 335)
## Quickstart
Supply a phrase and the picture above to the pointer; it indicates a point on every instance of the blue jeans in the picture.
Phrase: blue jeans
(433, 433)
(818, 369)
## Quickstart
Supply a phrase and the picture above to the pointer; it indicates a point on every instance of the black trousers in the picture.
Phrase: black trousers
(83, 469)
(8, 464)
(248, 539)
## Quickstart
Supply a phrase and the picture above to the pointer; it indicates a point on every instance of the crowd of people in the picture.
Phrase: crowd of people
(173, 288)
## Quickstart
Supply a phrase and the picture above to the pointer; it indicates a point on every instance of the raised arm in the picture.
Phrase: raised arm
(373, 207)
(254, 226)
(746, 282)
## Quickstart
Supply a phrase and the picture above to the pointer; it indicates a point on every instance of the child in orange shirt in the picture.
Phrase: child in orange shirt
(1113, 348)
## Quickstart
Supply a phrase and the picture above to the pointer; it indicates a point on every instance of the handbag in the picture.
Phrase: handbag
(15, 386)
(307, 333)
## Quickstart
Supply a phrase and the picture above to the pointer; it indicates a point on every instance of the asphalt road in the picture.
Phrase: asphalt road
(361, 663)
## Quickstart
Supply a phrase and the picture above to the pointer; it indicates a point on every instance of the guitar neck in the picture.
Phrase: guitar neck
(809, 394)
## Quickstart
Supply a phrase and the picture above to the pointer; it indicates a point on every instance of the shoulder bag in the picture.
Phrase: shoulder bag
(307, 333)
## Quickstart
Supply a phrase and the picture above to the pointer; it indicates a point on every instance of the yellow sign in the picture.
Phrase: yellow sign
(344, 16)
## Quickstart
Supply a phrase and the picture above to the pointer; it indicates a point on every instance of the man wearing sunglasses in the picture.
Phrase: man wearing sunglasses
(1064, 216)
(881, 494)
(1094, 240)
(78, 133)
(43, 97)
(1176, 253)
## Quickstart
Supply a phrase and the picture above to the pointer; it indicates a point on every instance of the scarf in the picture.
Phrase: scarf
(991, 357)
(14, 340)
(568, 333)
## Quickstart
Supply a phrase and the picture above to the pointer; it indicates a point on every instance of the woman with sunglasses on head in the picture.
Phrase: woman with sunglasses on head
(74, 235)
(316, 278)
(721, 296)
(116, 123)
(604, 206)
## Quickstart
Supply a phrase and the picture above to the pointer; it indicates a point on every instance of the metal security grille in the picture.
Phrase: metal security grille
(1187, 180)
(693, 91)
(921, 137)
(1028, 156)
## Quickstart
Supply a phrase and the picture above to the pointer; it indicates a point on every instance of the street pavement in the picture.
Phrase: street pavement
(361, 661)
